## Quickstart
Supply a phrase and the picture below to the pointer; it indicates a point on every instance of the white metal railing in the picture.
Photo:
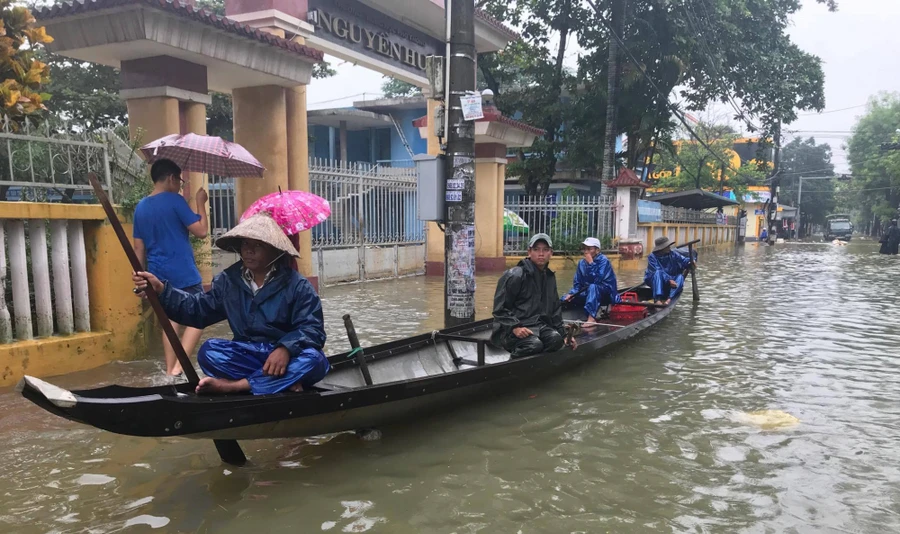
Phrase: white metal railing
(370, 204)
(222, 205)
(50, 163)
(58, 279)
(568, 221)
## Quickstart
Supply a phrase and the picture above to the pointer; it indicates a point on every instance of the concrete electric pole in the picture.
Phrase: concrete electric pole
(459, 234)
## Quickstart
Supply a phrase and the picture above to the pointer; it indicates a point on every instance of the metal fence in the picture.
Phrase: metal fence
(370, 204)
(650, 212)
(567, 220)
(222, 205)
(48, 162)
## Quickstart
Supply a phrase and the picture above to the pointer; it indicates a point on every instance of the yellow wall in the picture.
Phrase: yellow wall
(434, 237)
(489, 209)
(120, 327)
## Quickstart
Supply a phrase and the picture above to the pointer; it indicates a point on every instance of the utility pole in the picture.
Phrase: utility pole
(459, 233)
(774, 181)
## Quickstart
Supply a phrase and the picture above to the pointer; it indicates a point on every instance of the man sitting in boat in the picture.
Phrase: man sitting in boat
(595, 283)
(274, 313)
(665, 271)
(527, 309)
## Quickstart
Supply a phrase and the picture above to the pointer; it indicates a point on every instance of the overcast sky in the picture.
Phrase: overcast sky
(858, 44)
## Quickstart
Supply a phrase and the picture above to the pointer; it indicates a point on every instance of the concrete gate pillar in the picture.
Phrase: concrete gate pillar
(270, 121)
(490, 173)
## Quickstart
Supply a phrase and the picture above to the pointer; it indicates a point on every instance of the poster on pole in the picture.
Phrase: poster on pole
(471, 107)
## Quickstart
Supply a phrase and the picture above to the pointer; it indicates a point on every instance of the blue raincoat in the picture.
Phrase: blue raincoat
(663, 269)
(284, 312)
(594, 285)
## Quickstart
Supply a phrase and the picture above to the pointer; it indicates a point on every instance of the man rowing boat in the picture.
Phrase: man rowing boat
(273, 311)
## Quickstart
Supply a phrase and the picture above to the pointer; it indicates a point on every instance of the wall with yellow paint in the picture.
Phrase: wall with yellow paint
(120, 326)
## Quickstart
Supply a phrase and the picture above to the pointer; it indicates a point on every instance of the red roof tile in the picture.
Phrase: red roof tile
(202, 16)
(491, 21)
(491, 114)
(626, 178)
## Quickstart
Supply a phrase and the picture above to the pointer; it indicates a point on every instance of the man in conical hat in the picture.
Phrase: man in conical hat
(665, 271)
(273, 311)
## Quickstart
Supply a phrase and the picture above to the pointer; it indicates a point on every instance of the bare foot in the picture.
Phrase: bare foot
(590, 323)
(211, 386)
(175, 371)
(296, 388)
(667, 302)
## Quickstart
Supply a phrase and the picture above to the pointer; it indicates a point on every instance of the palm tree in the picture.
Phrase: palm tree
(613, 71)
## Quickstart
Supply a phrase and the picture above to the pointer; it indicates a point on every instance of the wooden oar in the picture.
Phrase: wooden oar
(229, 450)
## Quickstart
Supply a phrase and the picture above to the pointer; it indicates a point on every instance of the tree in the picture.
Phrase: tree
(85, 94)
(613, 71)
(529, 80)
(804, 158)
(692, 166)
(23, 75)
(875, 186)
(394, 88)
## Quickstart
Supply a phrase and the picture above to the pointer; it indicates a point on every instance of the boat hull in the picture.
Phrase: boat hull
(176, 411)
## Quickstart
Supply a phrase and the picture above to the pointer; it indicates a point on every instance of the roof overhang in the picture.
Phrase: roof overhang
(695, 199)
(387, 105)
(134, 31)
(354, 119)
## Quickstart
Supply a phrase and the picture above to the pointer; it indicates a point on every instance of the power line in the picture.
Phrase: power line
(831, 111)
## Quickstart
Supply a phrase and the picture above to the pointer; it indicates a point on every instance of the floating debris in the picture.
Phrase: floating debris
(768, 419)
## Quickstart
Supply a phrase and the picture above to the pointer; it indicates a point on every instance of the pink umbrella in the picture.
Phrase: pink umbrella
(294, 211)
(206, 154)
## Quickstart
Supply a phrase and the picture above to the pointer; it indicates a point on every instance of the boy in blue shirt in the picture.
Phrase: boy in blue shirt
(163, 224)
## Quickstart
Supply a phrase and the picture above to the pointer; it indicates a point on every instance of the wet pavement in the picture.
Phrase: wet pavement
(688, 428)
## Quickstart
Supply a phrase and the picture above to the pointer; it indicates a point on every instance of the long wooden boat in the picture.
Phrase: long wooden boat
(410, 377)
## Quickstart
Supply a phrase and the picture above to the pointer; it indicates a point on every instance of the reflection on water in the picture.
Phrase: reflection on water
(673, 432)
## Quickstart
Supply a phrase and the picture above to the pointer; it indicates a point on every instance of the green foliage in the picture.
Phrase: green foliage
(804, 158)
(875, 188)
(394, 88)
(693, 166)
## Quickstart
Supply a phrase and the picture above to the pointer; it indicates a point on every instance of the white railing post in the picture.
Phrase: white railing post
(5, 322)
(62, 285)
(80, 295)
(18, 267)
(40, 273)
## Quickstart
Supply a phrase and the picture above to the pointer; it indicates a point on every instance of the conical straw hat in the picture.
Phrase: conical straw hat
(261, 227)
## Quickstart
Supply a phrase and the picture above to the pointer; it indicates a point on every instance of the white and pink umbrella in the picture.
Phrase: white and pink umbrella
(294, 211)
(205, 154)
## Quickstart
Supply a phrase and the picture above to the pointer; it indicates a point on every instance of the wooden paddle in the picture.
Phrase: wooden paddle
(229, 450)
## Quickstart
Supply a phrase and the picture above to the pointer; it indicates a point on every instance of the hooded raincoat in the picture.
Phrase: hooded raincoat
(527, 296)
(594, 285)
(286, 312)
(661, 270)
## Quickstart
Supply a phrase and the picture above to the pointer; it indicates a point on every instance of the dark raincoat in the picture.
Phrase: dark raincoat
(526, 296)
(890, 241)
(661, 269)
(594, 285)
(285, 312)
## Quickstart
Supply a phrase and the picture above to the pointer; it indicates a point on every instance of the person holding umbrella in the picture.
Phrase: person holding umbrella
(163, 224)
(273, 312)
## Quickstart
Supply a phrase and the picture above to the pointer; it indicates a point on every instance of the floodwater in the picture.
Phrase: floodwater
(772, 406)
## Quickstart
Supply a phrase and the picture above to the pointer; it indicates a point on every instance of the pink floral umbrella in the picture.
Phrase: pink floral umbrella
(205, 154)
(294, 211)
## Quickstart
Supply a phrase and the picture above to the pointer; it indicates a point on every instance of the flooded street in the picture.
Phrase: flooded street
(664, 436)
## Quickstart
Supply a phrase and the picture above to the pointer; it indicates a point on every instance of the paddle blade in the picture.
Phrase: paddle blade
(230, 452)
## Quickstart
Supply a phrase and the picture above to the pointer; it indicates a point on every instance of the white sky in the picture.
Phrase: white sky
(859, 46)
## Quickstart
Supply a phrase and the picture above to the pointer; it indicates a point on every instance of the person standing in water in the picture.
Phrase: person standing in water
(163, 224)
